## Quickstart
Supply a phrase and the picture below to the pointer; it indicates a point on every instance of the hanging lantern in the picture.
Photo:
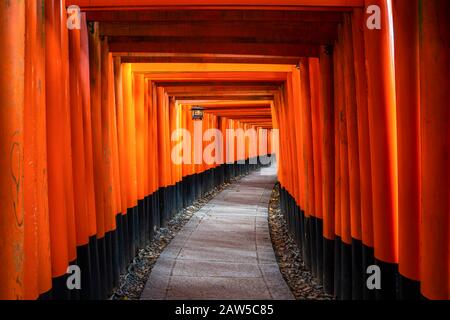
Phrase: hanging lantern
(197, 113)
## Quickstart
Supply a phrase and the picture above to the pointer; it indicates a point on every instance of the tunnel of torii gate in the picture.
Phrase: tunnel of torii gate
(350, 96)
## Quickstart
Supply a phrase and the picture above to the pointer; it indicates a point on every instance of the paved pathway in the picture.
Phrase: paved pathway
(224, 251)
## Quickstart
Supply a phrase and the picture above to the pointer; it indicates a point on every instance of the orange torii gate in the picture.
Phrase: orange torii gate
(85, 145)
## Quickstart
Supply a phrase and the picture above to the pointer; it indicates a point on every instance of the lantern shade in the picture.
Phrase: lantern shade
(197, 113)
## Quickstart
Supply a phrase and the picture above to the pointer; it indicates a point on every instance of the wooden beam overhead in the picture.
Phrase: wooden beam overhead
(224, 95)
(127, 57)
(233, 103)
(219, 86)
(258, 32)
(212, 91)
(158, 15)
(254, 121)
(201, 77)
(238, 107)
(265, 111)
(172, 69)
(204, 97)
(143, 44)
(143, 4)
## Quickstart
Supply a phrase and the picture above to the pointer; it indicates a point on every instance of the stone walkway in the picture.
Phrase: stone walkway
(224, 251)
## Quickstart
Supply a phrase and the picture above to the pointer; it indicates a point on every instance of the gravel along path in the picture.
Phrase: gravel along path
(300, 280)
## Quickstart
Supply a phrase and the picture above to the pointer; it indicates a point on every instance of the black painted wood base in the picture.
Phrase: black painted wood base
(408, 289)
(342, 267)
(328, 265)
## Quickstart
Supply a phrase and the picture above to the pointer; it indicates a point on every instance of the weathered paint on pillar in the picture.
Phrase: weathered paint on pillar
(434, 31)
(12, 39)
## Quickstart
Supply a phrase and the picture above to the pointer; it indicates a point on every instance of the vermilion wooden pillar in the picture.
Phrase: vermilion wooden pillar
(130, 133)
(153, 169)
(152, 155)
(175, 122)
(55, 139)
(295, 212)
(178, 125)
(106, 184)
(383, 146)
(434, 31)
(114, 177)
(284, 112)
(67, 134)
(37, 261)
(351, 111)
(89, 192)
(138, 94)
(293, 110)
(277, 122)
(317, 139)
(172, 113)
(118, 89)
(31, 206)
(307, 151)
(138, 91)
(346, 237)
(12, 40)
(365, 178)
(326, 115)
(122, 159)
(146, 135)
(308, 176)
(114, 139)
(82, 224)
(406, 30)
(106, 138)
(95, 89)
(78, 163)
(337, 174)
(163, 175)
(87, 126)
(97, 152)
(130, 151)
